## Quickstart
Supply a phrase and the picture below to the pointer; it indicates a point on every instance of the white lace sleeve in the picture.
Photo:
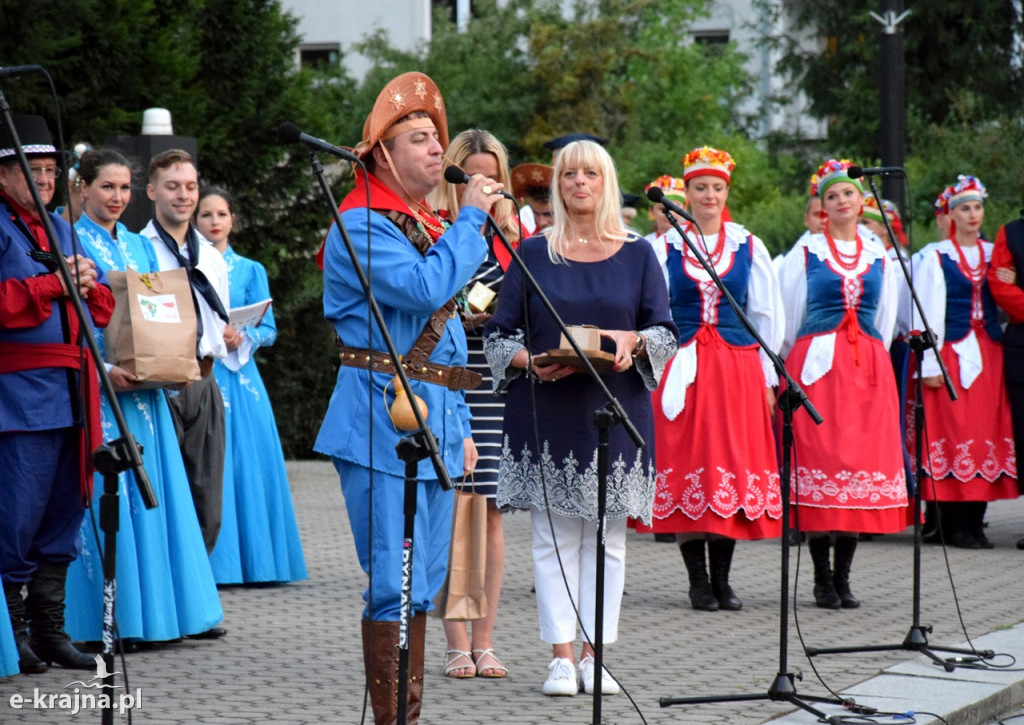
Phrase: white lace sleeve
(499, 349)
(661, 345)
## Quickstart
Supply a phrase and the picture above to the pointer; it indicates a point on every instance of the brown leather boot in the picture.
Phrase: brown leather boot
(380, 660)
(417, 640)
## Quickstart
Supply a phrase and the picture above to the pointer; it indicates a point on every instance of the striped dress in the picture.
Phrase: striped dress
(488, 408)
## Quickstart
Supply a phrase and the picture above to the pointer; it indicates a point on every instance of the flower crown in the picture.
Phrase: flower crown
(708, 161)
(831, 172)
(672, 186)
(966, 188)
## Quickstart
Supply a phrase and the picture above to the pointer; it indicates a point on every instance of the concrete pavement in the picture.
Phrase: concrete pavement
(293, 652)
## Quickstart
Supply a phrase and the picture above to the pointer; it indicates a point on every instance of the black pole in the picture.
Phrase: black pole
(892, 97)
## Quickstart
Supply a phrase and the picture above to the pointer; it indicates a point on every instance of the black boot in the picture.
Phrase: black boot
(959, 533)
(930, 530)
(845, 548)
(28, 661)
(825, 595)
(45, 610)
(976, 523)
(720, 562)
(701, 596)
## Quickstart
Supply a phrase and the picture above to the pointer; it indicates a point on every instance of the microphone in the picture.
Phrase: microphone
(855, 172)
(290, 133)
(18, 70)
(455, 175)
(657, 195)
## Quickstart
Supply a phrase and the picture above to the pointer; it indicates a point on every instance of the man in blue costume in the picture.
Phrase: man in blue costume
(417, 268)
(49, 402)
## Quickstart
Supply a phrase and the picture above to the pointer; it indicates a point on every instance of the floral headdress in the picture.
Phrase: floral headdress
(966, 188)
(831, 172)
(892, 212)
(708, 161)
(673, 186)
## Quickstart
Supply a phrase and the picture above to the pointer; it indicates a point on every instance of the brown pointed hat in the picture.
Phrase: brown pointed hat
(409, 92)
(527, 177)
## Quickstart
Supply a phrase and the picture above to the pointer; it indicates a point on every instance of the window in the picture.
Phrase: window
(319, 56)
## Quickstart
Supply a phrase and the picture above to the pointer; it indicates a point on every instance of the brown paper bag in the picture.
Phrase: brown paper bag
(463, 597)
(152, 332)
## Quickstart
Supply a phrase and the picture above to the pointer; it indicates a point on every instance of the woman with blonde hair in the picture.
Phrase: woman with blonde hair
(479, 152)
(593, 272)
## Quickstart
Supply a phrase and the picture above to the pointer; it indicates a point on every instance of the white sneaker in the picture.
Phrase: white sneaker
(561, 678)
(608, 684)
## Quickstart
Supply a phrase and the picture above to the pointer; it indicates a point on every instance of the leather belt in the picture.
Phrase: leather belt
(205, 365)
(451, 377)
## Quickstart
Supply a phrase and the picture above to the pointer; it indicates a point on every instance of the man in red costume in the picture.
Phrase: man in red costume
(49, 402)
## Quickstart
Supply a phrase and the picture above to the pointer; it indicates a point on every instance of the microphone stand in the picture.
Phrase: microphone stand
(916, 639)
(416, 446)
(129, 452)
(783, 686)
(605, 417)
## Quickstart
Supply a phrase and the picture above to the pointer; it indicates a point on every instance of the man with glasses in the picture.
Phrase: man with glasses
(49, 401)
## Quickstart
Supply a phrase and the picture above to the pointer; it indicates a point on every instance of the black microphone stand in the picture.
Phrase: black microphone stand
(916, 639)
(605, 417)
(416, 446)
(130, 453)
(783, 686)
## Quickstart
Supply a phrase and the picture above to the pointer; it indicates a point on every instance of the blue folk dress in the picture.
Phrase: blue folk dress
(8, 649)
(259, 537)
(165, 587)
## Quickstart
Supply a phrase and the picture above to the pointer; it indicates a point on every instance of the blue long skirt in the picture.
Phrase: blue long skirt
(165, 587)
(8, 650)
(259, 536)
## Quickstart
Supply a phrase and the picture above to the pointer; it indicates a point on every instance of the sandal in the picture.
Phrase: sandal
(497, 670)
(455, 663)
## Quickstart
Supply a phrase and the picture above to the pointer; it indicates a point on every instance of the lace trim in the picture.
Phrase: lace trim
(850, 489)
(571, 487)
(759, 495)
(499, 349)
(971, 459)
(661, 346)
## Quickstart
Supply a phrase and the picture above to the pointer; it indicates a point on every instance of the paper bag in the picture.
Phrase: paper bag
(152, 332)
(462, 597)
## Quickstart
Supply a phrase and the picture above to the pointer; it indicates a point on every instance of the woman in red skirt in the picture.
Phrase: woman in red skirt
(970, 457)
(840, 294)
(718, 477)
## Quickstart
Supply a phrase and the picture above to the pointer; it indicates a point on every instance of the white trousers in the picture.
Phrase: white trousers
(577, 546)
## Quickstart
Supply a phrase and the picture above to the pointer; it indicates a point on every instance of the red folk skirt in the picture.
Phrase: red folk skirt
(717, 468)
(849, 470)
(968, 442)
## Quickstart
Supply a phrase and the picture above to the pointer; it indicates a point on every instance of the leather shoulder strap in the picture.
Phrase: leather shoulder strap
(431, 334)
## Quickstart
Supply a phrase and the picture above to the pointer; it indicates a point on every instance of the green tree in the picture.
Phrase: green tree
(226, 70)
(952, 50)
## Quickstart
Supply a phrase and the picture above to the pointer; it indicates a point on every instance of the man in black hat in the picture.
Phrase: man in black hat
(49, 401)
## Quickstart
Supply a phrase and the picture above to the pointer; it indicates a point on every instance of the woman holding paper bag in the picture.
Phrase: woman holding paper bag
(259, 537)
(479, 152)
(165, 588)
